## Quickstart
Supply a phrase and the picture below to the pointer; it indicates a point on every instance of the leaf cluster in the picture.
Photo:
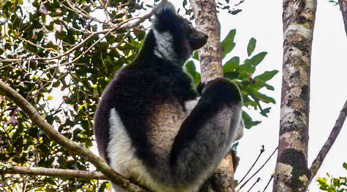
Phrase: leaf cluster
(242, 74)
(65, 92)
(332, 184)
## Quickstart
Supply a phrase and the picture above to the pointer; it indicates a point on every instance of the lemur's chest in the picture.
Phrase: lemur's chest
(165, 122)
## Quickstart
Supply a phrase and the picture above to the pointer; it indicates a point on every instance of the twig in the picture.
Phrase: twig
(258, 169)
(261, 152)
(272, 176)
(328, 143)
(86, 15)
(66, 173)
(257, 181)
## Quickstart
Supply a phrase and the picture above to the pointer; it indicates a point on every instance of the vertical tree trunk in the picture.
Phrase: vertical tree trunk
(343, 8)
(211, 54)
(292, 173)
(211, 67)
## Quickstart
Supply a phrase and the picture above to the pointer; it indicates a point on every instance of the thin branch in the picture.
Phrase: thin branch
(65, 173)
(77, 148)
(121, 26)
(328, 143)
(261, 152)
(258, 169)
(257, 181)
(272, 176)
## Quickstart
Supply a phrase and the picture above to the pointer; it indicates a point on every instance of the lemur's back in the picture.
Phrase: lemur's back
(151, 127)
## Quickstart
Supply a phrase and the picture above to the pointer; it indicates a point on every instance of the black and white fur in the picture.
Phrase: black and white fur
(152, 127)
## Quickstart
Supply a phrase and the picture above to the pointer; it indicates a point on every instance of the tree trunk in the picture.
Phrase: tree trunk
(292, 173)
(211, 54)
(210, 57)
(343, 8)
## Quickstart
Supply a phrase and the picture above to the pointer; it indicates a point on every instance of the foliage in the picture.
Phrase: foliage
(50, 53)
(332, 184)
(242, 75)
(47, 30)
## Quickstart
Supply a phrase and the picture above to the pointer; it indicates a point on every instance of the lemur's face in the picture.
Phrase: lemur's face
(196, 38)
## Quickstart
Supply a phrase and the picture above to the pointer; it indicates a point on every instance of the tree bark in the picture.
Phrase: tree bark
(210, 56)
(292, 173)
(343, 8)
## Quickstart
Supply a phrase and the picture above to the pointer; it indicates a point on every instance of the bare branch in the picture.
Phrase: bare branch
(328, 143)
(272, 176)
(37, 119)
(257, 181)
(260, 153)
(67, 173)
(258, 169)
(84, 14)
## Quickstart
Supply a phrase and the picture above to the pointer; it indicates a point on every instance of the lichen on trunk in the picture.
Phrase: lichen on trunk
(292, 173)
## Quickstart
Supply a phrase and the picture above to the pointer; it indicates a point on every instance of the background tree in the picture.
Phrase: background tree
(62, 49)
(292, 172)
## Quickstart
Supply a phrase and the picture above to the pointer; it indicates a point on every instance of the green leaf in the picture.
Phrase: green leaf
(228, 43)
(243, 75)
(264, 98)
(231, 65)
(267, 75)
(250, 103)
(256, 59)
(234, 146)
(269, 87)
(248, 121)
(246, 67)
(196, 55)
(265, 111)
(345, 165)
(251, 46)
(231, 75)
(190, 68)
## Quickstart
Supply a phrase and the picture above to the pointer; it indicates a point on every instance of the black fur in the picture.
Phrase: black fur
(156, 77)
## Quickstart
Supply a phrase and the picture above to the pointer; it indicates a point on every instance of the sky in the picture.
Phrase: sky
(263, 21)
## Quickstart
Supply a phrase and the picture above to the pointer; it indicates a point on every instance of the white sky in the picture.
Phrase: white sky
(263, 21)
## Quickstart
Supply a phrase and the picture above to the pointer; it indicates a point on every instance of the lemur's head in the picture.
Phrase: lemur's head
(173, 31)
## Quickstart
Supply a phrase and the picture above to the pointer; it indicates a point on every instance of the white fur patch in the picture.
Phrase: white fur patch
(164, 49)
(121, 153)
(191, 104)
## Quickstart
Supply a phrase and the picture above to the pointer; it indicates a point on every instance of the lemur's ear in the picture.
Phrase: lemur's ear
(164, 7)
(165, 14)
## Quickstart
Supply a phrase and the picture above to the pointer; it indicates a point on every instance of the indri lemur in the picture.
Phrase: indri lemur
(152, 126)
